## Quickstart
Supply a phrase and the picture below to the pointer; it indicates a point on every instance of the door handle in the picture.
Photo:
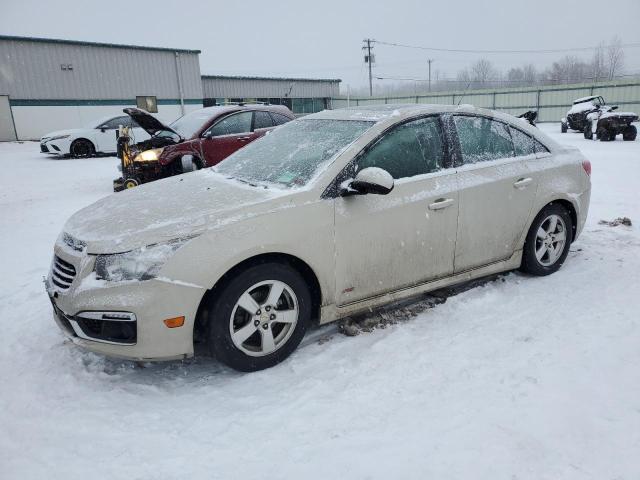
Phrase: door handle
(244, 139)
(441, 203)
(523, 182)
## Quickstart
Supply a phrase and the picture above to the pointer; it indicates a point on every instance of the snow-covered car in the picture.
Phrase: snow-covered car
(98, 137)
(591, 115)
(329, 215)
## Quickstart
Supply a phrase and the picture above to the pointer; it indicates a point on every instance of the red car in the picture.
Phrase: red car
(202, 138)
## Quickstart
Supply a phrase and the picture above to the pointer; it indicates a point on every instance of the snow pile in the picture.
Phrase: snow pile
(528, 378)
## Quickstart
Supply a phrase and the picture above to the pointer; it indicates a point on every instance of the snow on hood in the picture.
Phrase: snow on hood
(172, 208)
(581, 107)
(616, 113)
(71, 131)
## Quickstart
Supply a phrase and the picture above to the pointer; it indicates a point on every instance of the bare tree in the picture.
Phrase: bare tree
(482, 71)
(615, 58)
(530, 74)
(515, 75)
(599, 69)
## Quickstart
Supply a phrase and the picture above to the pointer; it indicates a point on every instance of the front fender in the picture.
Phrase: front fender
(305, 232)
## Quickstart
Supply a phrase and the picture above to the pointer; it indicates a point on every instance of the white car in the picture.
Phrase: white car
(99, 137)
(329, 215)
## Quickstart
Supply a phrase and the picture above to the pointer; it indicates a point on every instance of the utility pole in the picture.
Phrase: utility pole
(429, 61)
(368, 58)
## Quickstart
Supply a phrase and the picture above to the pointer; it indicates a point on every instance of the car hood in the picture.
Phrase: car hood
(175, 207)
(71, 131)
(147, 122)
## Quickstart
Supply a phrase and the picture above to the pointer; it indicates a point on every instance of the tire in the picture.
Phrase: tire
(629, 133)
(130, 182)
(538, 259)
(563, 127)
(82, 148)
(588, 132)
(259, 340)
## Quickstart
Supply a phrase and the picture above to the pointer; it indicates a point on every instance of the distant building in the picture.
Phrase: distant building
(48, 85)
(301, 95)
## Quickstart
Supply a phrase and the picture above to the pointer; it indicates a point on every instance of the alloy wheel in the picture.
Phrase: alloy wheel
(263, 318)
(550, 240)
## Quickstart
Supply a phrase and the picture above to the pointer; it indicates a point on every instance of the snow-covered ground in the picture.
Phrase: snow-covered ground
(526, 378)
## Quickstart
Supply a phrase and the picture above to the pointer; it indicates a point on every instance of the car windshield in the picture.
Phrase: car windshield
(187, 125)
(291, 154)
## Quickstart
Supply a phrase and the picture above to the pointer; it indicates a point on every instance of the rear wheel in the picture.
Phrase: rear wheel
(548, 241)
(259, 317)
(588, 132)
(563, 127)
(629, 133)
(82, 148)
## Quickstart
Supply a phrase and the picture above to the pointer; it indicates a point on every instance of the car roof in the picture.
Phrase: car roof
(221, 109)
(392, 112)
(386, 115)
(585, 99)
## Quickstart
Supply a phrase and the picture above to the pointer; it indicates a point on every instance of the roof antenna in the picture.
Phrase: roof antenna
(463, 93)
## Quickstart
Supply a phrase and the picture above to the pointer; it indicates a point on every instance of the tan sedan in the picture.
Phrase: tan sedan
(329, 215)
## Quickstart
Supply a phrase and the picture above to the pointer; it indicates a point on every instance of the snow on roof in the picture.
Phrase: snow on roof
(584, 99)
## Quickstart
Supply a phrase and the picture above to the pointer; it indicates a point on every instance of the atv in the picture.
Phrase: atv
(530, 117)
(590, 115)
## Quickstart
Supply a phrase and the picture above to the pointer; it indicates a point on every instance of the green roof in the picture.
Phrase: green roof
(93, 44)
(287, 79)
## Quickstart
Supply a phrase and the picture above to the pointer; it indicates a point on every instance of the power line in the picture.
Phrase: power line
(453, 50)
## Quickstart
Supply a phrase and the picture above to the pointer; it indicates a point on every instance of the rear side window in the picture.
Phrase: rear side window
(410, 149)
(539, 148)
(262, 120)
(279, 119)
(522, 143)
(482, 139)
(233, 124)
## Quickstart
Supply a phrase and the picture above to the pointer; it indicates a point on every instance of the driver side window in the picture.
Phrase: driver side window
(115, 123)
(413, 148)
(233, 124)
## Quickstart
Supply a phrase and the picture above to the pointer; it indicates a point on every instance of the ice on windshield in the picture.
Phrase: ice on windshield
(291, 154)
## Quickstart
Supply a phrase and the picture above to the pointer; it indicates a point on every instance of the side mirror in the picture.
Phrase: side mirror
(103, 130)
(372, 180)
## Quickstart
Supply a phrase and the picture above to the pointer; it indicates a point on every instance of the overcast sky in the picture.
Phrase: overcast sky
(323, 38)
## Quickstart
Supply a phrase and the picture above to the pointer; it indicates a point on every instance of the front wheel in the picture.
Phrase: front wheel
(259, 317)
(588, 132)
(548, 241)
(82, 148)
(563, 127)
(629, 133)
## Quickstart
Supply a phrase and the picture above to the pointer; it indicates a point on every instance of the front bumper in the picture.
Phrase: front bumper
(56, 147)
(88, 313)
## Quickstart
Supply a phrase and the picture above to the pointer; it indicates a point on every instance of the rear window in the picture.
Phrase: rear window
(522, 143)
(483, 139)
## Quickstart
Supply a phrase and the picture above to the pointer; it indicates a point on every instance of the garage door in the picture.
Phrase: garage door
(7, 129)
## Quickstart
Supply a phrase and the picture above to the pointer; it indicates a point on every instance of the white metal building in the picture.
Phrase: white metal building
(301, 95)
(48, 85)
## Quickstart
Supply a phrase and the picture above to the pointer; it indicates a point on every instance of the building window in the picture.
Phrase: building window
(150, 104)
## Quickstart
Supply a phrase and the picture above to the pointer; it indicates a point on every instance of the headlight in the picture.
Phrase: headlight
(148, 155)
(58, 137)
(140, 264)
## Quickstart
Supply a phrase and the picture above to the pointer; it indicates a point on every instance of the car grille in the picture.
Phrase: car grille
(62, 273)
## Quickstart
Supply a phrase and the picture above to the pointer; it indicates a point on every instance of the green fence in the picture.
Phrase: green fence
(551, 102)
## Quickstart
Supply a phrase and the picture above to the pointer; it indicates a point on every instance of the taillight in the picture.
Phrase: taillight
(586, 164)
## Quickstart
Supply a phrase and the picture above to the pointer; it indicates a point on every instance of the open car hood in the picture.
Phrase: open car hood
(147, 122)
